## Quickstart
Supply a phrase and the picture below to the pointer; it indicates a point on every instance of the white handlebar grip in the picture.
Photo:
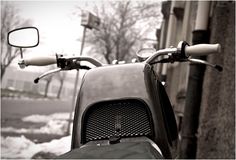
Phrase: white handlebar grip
(202, 49)
(40, 61)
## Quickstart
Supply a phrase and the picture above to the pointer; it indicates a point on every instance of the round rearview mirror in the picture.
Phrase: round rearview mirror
(144, 53)
(26, 37)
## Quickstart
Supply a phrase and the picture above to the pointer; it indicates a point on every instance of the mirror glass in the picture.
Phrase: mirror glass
(144, 53)
(24, 37)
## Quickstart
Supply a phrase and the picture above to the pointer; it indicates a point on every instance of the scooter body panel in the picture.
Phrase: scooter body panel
(122, 82)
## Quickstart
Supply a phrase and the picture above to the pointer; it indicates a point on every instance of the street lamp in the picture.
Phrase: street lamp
(90, 21)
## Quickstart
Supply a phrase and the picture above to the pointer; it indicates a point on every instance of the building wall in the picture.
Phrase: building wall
(177, 75)
(216, 134)
(217, 118)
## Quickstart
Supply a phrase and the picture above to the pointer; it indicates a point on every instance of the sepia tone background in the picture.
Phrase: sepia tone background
(158, 24)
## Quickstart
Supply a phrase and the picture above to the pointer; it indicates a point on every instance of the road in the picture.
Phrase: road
(18, 108)
(13, 110)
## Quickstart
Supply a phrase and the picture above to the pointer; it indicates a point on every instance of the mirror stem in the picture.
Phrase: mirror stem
(21, 53)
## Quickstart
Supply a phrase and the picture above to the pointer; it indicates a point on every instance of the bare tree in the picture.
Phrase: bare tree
(61, 77)
(48, 80)
(123, 26)
(9, 20)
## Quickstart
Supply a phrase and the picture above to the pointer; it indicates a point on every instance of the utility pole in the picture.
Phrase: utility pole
(188, 146)
(88, 20)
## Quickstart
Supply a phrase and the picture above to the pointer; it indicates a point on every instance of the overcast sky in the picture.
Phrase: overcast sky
(58, 23)
(59, 27)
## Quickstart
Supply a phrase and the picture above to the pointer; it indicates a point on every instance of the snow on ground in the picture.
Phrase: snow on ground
(52, 127)
(56, 123)
(36, 118)
(21, 147)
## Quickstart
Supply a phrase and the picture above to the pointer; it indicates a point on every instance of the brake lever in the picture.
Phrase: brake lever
(58, 70)
(46, 74)
(199, 61)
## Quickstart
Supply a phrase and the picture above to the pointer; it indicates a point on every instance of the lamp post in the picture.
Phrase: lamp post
(90, 21)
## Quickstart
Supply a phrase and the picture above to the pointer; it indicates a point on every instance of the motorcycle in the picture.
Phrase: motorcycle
(122, 110)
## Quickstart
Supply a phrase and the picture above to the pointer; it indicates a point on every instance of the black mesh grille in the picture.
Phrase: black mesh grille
(121, 118)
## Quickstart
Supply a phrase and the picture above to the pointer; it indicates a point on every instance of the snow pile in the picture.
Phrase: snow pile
(45, 118)
(56, 123)
(18, 147)
(21, 147)
(57, 146)
(52, 127)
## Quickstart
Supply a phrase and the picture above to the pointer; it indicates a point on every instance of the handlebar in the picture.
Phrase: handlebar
(37, 61)
(60, 61)
(202, 49)
(183, 51)
(161, 52)
(41, 61)
(85, 58)
(181, 54)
